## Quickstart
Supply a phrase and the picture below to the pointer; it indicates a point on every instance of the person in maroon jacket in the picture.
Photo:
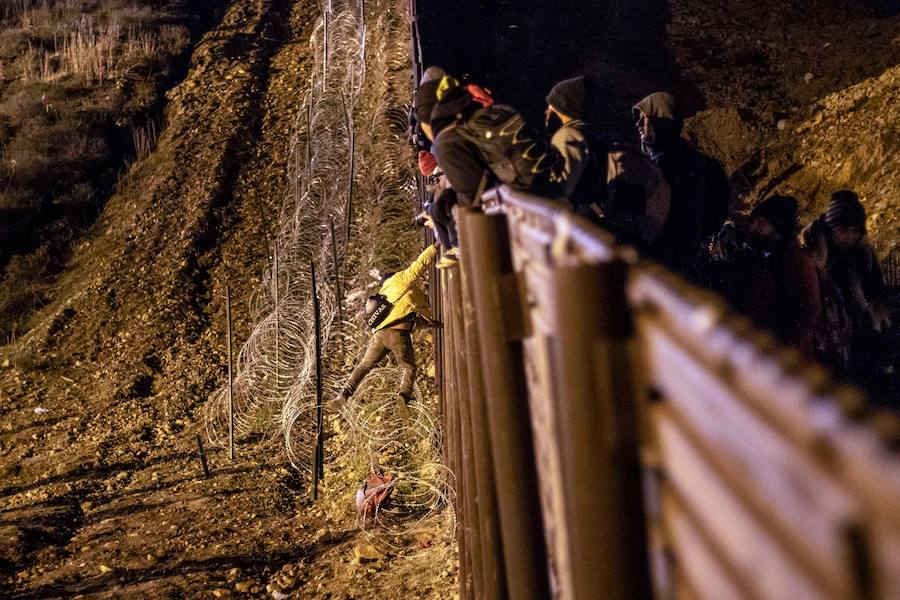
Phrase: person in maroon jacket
(772, 279)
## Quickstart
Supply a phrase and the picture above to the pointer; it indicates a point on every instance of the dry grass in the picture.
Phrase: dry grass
(80, 101)
(98, 52)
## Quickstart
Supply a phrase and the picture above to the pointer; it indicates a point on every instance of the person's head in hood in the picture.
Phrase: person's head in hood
(773, 222)
(659, 122)
(845, 218)
(425, 97)
(569, 100)
(439, 100)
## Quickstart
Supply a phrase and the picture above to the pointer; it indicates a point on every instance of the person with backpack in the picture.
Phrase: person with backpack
(699, 187)
(478, 143)
(392, 314)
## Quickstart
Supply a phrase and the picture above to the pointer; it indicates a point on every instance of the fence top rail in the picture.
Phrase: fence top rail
(571, 236)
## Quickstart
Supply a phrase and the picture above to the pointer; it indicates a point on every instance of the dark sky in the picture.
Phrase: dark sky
(520, 48)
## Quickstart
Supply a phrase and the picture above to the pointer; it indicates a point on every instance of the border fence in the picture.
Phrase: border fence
(618, 433)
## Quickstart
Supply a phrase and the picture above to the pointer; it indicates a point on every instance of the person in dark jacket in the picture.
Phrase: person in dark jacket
(850, 269)
(699, 187)
(583, 168)
(771, 278)
(473, 159)
(437, 209)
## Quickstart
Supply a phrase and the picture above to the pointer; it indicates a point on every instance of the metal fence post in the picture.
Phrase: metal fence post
(230, 374)
(597, 432)
(452, 441)
(318, 468)
(486, 495)
(467, 449)
(277, 325)
(485, 243)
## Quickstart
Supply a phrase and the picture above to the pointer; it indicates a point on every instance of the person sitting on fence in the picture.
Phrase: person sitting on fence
(477, 143)
(849, 267)
(392, 314)
(768, 276)
(699, 187)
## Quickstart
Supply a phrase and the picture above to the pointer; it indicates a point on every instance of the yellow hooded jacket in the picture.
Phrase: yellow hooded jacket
(403, 292)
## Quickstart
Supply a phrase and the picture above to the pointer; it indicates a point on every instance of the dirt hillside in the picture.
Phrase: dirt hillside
(103, 495)
(797, 101)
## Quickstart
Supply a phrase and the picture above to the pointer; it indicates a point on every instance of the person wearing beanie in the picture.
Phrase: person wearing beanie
(770, 278)
(846, 219)
(571, 97)
(850, 272)
(774, 220)
(427, 163)
(583, 154)
(426, 94)
(699, 186)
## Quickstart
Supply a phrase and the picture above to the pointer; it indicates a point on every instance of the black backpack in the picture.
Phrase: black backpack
(637, 201)
(513, 151)
(378, 307)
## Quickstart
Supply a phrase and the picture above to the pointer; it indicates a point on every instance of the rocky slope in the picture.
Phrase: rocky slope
(103, 495)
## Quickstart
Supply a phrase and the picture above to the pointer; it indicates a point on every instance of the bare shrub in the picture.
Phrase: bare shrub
(144, 138)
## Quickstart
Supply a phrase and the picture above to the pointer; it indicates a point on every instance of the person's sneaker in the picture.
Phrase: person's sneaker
(447, 261)
(403, 408)
(454, 252)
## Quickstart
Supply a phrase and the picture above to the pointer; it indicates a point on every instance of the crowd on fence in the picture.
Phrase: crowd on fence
(816, 286)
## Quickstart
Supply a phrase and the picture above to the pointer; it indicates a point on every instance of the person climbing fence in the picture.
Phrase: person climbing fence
(392, 314)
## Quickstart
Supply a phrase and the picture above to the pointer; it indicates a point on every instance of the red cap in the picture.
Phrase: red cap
(427, 163)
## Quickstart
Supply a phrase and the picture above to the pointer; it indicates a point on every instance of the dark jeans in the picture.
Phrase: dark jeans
(444, 225)
(397, 341)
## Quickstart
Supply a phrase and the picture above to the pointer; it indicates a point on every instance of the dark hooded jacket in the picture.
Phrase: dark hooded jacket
(699, 203)
(467, 165)
(854, 278)
(771, 279)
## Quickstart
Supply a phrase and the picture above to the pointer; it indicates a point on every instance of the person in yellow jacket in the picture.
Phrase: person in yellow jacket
(393, 334)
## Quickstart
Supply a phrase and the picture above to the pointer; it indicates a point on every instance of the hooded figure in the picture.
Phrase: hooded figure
(770, 278)
(856, 297)
(583, 168)
(699, 202)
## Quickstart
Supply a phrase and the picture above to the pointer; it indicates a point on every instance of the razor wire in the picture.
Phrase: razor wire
(348, 136)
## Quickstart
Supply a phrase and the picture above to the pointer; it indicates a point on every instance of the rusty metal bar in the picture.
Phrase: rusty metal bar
(318, 468)
(454, 446)
(337, 275)
(485, 242)
(494, 581)
(597, 432)
(277, 324)
(230, 374)
(203, 462)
